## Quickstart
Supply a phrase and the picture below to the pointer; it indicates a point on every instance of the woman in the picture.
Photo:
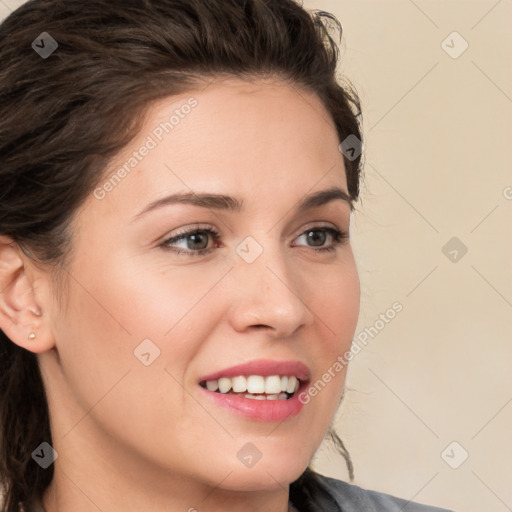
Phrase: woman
(175, 264)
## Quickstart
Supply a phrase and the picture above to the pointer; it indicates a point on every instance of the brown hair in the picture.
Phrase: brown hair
(63, 118)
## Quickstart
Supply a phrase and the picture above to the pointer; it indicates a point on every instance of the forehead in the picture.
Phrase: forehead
(263, 138)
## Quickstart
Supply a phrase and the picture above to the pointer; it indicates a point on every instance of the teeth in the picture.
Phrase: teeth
(224, 384)
(292, 384)
(274, 386)
(239, 384)
(212, 385)
(256, 384)
(281, 396)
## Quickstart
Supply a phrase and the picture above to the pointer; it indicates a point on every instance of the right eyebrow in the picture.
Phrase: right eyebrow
(213, 201)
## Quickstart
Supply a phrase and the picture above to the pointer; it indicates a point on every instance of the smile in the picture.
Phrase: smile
(255, 387)
(260, 390)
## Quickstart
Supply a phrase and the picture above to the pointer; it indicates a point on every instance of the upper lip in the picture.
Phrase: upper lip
(262, 367)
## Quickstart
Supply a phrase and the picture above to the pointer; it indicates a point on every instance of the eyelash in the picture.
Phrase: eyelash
(339, 237)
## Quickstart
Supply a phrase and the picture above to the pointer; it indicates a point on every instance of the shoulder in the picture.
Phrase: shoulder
(352, 498)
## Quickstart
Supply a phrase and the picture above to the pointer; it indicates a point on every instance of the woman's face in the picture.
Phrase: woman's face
(153, 312)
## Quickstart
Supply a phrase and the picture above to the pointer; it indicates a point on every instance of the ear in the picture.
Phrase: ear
(20, 312)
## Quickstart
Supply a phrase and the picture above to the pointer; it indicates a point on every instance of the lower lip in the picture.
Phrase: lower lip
(259, 410)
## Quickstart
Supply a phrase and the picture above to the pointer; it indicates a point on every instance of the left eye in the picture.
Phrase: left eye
(318, 237)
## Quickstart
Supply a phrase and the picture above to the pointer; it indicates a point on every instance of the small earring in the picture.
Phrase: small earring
(32, 336)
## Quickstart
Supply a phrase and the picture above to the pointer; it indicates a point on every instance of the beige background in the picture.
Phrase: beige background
(438, 149)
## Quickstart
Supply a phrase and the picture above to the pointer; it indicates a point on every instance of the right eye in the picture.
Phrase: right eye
(195, 241)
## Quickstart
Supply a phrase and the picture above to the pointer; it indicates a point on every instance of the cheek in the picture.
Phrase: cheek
(112, 310)
(143, 299)
(334, 298)
(156, 298)
(105, 322)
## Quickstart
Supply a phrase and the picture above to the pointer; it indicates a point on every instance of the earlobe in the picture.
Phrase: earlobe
(21, 317)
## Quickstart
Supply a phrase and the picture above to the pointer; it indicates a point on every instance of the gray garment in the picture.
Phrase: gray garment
(352, 498)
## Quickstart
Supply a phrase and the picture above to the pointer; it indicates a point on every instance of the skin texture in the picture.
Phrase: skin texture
(135, 437)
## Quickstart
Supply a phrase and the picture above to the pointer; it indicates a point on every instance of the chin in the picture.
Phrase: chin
(272, 474)
(262, 480)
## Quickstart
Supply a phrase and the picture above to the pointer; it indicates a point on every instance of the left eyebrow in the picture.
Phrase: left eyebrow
(229, 203)
(323, 197)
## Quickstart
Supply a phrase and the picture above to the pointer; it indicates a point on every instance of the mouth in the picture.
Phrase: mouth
(255, 387)
(260, 390)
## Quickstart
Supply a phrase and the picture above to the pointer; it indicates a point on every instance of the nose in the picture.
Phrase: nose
(268, 296)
